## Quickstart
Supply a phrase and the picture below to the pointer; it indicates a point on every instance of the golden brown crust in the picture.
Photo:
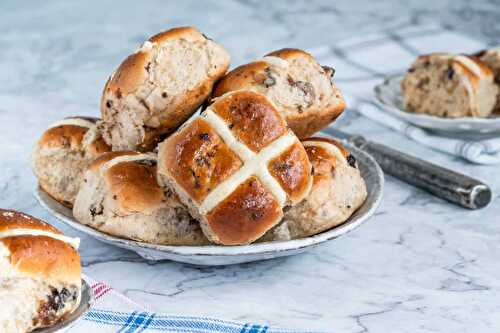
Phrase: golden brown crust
(292, 170)
(323, 161)
(98, 147)
(241, 77)
(44, 257)
(98, 162)
(64, 136)
(187, 33)
(155, 107)
(485, 69)
(339, 145)
(39, 256)
(251, 118)
(254, 143)
(131, 73)
(198, 159)
(482, 65)
(134, 187)
(304, 125)
(323, 164)
(71, 137)
(290, 53)
(474, 77)
(245, 215)
(337, 192)
(10, 219)
(318, 105)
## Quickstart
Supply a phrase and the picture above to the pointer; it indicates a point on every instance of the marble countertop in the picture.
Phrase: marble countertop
(419, 265)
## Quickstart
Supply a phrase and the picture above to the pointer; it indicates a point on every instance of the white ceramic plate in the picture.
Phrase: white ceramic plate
(389, 97)
(226, 255)
(69, 321)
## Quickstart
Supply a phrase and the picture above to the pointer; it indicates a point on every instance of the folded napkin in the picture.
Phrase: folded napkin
(364, 61)
(479, 152)
(113, 312)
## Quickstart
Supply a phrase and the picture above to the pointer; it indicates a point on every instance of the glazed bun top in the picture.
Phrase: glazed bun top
(300, 88)
(326, 155)
(134, 71)
(75, 133)
(158, 87)
(326, 142)
(236, 165)
(130, 178)
(30, 247)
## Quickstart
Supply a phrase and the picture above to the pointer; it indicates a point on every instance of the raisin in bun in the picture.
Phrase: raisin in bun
(159, 86)
(338, 191)
(301, 89)
(450, 86)
(120, 196)
(63, 153)
(236, 165)
(40, 273)
(491, 58)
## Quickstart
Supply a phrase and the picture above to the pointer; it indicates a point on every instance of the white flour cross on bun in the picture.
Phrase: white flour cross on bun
(236, 165)
(73, 242)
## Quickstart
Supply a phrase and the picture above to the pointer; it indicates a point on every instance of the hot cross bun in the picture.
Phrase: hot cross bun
(301, 89)
(449, 86)
(159, 86)
(120, 196)
(63, 153)
(236, 165)
(338, 190)
(40, 273)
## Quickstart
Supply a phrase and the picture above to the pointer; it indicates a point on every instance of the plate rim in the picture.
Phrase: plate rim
(378, 91)
(235, 250)
(83, 308)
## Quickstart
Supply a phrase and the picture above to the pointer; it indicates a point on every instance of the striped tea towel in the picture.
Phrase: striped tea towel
(363, 62)
(113, 312)
(479, 152)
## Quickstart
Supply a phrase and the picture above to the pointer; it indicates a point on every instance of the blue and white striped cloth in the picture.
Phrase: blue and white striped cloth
(112, 312)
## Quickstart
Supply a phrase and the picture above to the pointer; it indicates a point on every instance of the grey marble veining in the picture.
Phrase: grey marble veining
(420, 264)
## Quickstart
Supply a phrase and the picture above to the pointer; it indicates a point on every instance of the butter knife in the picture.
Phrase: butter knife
(441, 182)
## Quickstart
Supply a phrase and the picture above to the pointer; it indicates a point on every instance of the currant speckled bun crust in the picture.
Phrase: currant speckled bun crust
(300, 88)
(159, 86)
(40, 273)
(120, 196)
(236, 165)
(449, 86)
(491, 58)
(338, 190)
(63, 153)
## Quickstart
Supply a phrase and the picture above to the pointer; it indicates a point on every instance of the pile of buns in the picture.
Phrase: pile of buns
(40, 272)
(242, 169)
(453, 86)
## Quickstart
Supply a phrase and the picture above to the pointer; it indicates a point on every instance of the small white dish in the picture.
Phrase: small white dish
(70, 320)
(389, 97)
(213, 255)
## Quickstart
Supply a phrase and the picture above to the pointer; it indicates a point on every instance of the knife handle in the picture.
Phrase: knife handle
(446, 184)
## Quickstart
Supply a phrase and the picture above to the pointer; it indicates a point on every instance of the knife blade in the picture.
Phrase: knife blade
(444, 183)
